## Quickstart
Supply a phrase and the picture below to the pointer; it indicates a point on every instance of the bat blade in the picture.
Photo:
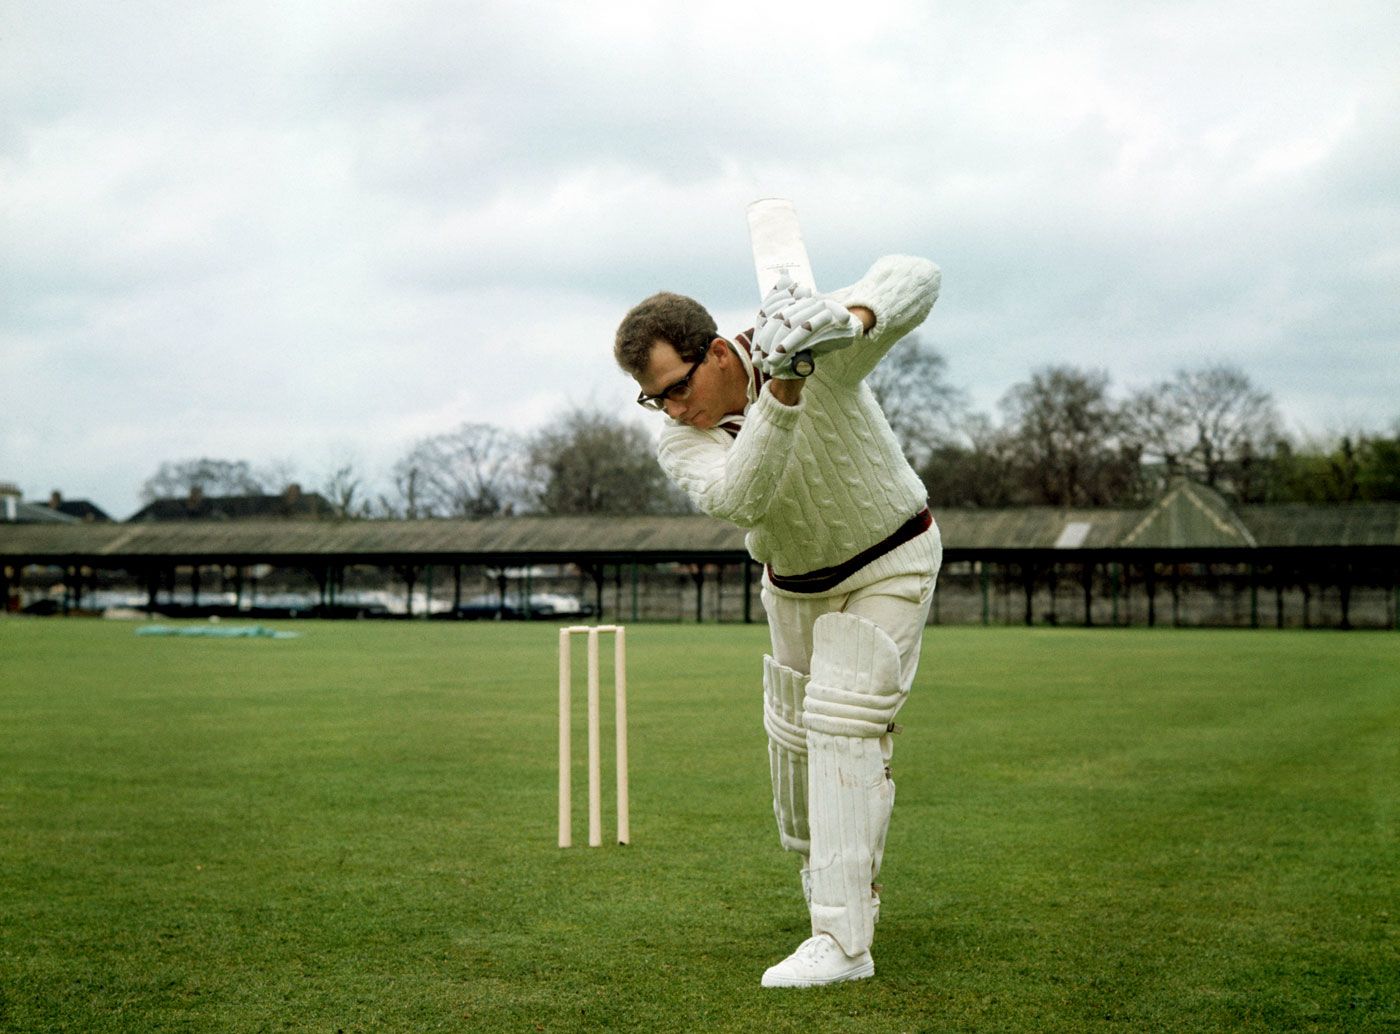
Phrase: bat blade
(777, 242)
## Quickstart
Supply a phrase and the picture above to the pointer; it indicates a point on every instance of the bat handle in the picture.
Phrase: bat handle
(804, 364)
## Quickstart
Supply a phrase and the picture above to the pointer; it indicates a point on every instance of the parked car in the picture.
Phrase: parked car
(544, 606)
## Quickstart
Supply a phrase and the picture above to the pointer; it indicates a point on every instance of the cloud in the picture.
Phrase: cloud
(265, 230)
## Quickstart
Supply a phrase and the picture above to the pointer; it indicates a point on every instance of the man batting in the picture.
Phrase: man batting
(777, 431)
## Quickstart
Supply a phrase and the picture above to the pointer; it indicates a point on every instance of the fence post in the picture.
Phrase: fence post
(748, 591)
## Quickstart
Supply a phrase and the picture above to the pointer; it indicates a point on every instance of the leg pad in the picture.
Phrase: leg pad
(784, 691)
(852, 698)
(855, 684)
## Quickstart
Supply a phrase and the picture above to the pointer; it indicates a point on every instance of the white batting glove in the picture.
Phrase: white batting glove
(793, 367)
(785, 295)
(803, 330)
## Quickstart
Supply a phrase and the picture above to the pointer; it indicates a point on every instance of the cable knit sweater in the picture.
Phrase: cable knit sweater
(821, 481)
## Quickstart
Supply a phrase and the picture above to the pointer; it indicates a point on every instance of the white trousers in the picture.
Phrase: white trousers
(839, 877)
(898, 605)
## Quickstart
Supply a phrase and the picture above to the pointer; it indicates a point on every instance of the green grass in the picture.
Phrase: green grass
(354, 831)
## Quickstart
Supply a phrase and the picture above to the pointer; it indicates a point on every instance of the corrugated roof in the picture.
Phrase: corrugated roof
(1033, 527)
(1189, 516)
(1189, 520)
(1340, 524)
(571, 536)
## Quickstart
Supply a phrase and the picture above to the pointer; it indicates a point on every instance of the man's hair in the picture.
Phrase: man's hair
(681, 322)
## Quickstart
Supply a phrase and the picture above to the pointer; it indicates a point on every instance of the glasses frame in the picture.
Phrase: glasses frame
(658, 401)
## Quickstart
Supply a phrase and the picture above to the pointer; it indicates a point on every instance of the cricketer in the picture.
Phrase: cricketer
(776, 430)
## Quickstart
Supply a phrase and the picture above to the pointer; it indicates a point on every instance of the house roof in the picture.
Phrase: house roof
(17, 511)
(81, 509)
(199, 507)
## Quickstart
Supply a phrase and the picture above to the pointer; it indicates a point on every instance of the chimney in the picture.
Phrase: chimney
(291, 495)
(9, 501)
(55, 499)
(196, 497)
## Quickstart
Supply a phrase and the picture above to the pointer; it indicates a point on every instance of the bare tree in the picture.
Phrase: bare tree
(1226, 415)
(473, 471)
(923, 409)
(1154, 423)
(591, 462)
(1212, 424)
(344, 487)
(983, 472)
(179, 478)
(406, 498)
(1067, 433)
(277, 474)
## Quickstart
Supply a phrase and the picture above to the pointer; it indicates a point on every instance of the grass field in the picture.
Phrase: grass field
(354, 831)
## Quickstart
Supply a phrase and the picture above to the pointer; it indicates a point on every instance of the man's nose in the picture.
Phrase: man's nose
(674, 409)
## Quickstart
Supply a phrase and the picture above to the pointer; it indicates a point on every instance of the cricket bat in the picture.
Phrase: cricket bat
(777, 244)
(778, 248)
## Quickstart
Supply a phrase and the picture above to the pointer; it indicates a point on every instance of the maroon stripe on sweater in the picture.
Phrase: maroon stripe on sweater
(744, 340)
(825, 578)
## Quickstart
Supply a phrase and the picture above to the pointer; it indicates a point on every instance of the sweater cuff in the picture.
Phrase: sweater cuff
(771, 411)
(899, 290)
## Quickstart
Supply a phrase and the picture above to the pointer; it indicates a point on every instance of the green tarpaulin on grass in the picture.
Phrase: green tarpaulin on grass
(217, 631)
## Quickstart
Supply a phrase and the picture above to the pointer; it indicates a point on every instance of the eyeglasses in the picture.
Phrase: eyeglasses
(678, 392)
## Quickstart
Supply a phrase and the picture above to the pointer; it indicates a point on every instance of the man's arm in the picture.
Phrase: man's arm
(733, 480)
(899, 291)
(789, 391)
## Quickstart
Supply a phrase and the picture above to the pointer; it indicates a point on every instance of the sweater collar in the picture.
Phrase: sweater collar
(742, 346)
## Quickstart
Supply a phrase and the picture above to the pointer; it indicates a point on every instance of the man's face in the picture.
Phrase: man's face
(705, 400)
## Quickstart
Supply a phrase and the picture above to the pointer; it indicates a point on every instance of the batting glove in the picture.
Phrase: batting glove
(770, 323)
(807, 328)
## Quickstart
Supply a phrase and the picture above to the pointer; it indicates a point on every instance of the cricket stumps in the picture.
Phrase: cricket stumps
(595, 778)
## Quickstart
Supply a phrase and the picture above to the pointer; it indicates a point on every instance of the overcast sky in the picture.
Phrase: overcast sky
(301, 233)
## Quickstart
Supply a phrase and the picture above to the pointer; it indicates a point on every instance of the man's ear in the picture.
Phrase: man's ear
(722, 345)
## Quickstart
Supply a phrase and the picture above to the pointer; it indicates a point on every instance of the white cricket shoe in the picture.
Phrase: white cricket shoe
(819, 960)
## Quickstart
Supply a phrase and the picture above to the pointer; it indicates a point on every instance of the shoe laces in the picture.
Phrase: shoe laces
(813, 948)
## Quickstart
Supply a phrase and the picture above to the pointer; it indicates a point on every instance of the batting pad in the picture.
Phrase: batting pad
(852, 698)
(854, 688)
(783, 693)
(850, 803)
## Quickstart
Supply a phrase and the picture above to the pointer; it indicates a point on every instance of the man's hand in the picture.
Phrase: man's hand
(801, 329)
(772, 325)
(784, 296)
